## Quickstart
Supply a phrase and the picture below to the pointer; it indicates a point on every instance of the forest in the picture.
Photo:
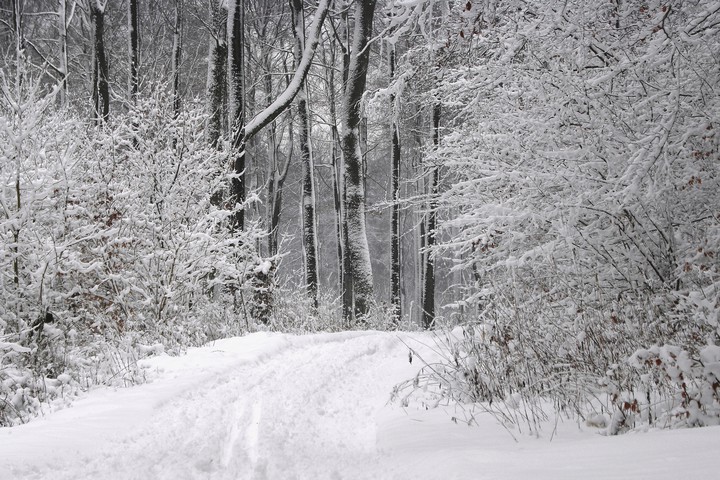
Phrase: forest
(537, 181)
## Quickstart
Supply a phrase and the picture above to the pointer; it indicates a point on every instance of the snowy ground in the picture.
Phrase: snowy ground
(315, 407)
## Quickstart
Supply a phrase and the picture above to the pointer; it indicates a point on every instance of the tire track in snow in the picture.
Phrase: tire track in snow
(306, 411)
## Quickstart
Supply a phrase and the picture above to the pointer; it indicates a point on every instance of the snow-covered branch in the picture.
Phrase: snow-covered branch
(283, 101)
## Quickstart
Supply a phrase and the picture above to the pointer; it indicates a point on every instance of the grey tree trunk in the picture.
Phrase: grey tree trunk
(336, 163)
(236, 91)
(17, 17)
(395, 275)
(428, 314)
(101, 89)
(276, 174)
(356, 249)
(308, 194)
(134, 48)
(217, 75)
(285, 99)
(178, 32)
(63, 22)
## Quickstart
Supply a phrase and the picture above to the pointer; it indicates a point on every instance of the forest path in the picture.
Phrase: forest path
(315, 407)
(284, 407)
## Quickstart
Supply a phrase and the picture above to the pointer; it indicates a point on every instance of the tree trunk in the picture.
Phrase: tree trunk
(62, 29)
(395, 276)
(276, 175)
(134, 49)
(336, 164)
(356, 244)
(17, 17)
(236, 91)
(308, 194)
(101, 90)
(177, 55)
(217, 75)
(283, 101)
(348, 293)
(428, 296)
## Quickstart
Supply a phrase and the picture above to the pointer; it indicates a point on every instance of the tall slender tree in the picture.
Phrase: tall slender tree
(101, 87)
(428, 294)
(356, 251)
(133, 48)
(178, 30)
(236, 110)
(217, 74)
(308, 193)
(395, 275)
(64, 19)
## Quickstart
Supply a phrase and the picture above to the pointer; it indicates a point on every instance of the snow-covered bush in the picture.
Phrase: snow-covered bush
(583, 165)
(109, 241)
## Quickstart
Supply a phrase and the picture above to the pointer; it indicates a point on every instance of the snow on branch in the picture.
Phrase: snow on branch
(283, 101)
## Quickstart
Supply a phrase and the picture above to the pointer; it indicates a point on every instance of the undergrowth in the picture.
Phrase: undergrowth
(637, 364)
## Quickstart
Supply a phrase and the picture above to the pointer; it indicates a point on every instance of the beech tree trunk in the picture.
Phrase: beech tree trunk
(63, 22)
(177, 55)
(217, 75)
(134, 48)
(101, 90)
(276, 173)
(336, 163)
(428, 314)
(236, 103)
(308, 193)
(356, 249)
(249, 129)
(395, 275)
(17, 18)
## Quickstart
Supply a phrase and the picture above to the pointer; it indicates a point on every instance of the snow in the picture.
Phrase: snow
(264, 267)
(273, 406)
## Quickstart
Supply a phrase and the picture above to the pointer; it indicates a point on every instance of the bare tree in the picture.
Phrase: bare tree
(101, 89)
(133, 47)
(308, 193)
(428, 290)
(395, 277)
(356, 251)
(236, 110)
(64, 20)
(177, 54)
(217, 74)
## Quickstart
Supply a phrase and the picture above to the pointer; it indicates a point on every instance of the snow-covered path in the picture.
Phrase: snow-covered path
(313, 407)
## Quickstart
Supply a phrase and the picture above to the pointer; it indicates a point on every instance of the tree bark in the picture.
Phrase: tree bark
(177, 55)
(276, 174)
(308, 194)
(395, 275)
(336, 163)
(134, 48)
(356, 245)
(217, 75)
(236, 64)
(428, 314)
(101, 90)
(17, 17)
(63, 22)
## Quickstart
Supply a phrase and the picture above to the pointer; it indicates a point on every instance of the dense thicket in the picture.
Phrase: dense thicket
(581, 201)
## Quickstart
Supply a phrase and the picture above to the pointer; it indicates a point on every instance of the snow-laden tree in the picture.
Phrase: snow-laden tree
(358, 276)
(309, 228)
(583, 164)
(109, 242)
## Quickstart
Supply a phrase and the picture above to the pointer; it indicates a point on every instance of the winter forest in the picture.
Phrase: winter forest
(536, 182)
